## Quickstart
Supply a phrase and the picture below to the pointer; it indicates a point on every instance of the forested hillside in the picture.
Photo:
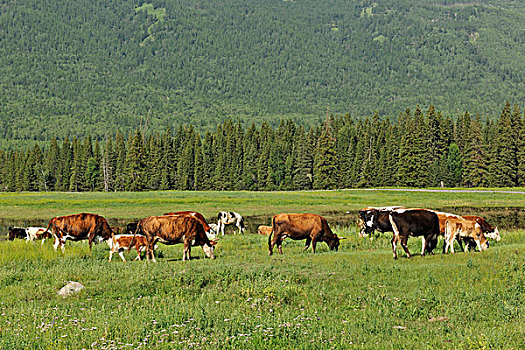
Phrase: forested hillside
(79, 68)
(421, 149)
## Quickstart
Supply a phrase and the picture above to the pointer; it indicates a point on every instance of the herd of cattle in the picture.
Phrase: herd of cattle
(191, 229)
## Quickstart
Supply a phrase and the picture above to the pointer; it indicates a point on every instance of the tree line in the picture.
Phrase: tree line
(420, 149)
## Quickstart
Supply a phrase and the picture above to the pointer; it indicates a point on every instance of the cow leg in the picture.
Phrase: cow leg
(56, 243)
(121, 253)
(63, 246)
(221, 228)
(394, 246)
(110, 254)
(460, 242)
(423, 245)
(404, 241)
(138, 253)
(307, 244)
(314, 243)
(274, 240)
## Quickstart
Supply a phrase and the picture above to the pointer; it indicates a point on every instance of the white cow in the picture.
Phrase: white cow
(229, 218)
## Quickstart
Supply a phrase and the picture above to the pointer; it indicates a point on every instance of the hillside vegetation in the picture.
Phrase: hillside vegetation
(88, 67)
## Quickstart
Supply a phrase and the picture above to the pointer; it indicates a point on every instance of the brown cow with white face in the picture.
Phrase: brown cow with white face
(460, 227)
(78, 227)
(264, 230)
(312, 227)
(174, 229)
(488, 230)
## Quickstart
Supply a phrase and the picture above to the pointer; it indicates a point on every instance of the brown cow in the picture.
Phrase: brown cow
(174, 229)
(314, 228)
(488, 229)
(464, 228)
(264, 230)
(197, 215)
(78, 227)
(123, 242)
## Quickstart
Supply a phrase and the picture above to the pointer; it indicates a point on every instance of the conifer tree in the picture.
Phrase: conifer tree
(135, 164)
(474, 169)
(503, 163)
(325, 162)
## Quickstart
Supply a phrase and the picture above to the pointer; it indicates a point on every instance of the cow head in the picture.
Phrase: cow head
(11, 233)
(209, 248)
(333, 242)
(368, 221)
(494, 234)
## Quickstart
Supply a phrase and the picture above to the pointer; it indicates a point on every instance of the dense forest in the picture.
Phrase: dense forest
(82, 68)
(420, 149)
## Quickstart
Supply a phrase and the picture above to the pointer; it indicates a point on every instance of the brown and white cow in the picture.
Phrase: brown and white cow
(488, 230)
(119, 243)
(312, 227)
(174, 229)
(459, 227)
(414, 222)
(78, 227)
(264, 230)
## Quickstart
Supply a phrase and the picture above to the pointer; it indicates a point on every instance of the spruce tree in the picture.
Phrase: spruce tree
(325, 162)
(135, 175)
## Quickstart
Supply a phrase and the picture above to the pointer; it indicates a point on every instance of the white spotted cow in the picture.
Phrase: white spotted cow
(229, 218)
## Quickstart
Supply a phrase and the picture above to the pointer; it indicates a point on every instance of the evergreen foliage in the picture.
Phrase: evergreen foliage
(420, 149)
(79, 68)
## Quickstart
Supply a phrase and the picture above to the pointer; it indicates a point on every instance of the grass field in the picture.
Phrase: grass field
(358, 297)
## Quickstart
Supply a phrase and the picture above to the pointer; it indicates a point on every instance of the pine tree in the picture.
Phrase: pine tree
(521, 152)
(503, 164)
(325, 162)
(474, 162)
(135, 164)
(120, 163)
(454, 166)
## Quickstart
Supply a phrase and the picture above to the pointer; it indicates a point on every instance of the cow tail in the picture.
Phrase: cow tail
(271, 233)
(134, 235)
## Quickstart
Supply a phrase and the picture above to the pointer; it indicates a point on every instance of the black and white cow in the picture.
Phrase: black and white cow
(414, 222)
(229, 218)
(17, 232)
(372, 219)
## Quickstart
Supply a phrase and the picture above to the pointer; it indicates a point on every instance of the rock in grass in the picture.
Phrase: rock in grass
(70, 288)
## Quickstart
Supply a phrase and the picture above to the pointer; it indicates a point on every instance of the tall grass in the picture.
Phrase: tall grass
(357, 297)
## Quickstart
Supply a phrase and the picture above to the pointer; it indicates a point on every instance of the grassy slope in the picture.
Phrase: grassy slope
(358, 296)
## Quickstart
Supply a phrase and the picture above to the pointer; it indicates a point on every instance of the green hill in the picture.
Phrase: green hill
(91, 67)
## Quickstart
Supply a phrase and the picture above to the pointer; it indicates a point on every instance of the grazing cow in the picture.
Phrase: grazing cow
(488, 230)
(17, 232)
(228, 218)
(37, 233)
(314, 228)
(414, 222)
(123, 242)
(174, 229)
(459, 227)
(78, 227)
(264, 230)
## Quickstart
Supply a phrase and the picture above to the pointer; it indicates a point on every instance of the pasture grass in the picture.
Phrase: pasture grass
(358, 297)
(127, 205)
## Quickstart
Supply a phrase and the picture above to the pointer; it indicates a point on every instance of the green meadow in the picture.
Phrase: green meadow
(358, 297)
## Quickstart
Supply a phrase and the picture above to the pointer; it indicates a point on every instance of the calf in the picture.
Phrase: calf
(460, 227)
(264, 230)
(34, 233)
(314, 228)
(488, 230)
(122, 242)
(414, 222)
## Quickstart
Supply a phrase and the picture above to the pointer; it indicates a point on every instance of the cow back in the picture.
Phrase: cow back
(416, 222)
(172, 229)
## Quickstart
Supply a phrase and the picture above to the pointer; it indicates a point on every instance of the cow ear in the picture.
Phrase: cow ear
(340, 238)
(214, 242)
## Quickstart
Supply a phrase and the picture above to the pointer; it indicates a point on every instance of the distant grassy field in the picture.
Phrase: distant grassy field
(358, 297)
